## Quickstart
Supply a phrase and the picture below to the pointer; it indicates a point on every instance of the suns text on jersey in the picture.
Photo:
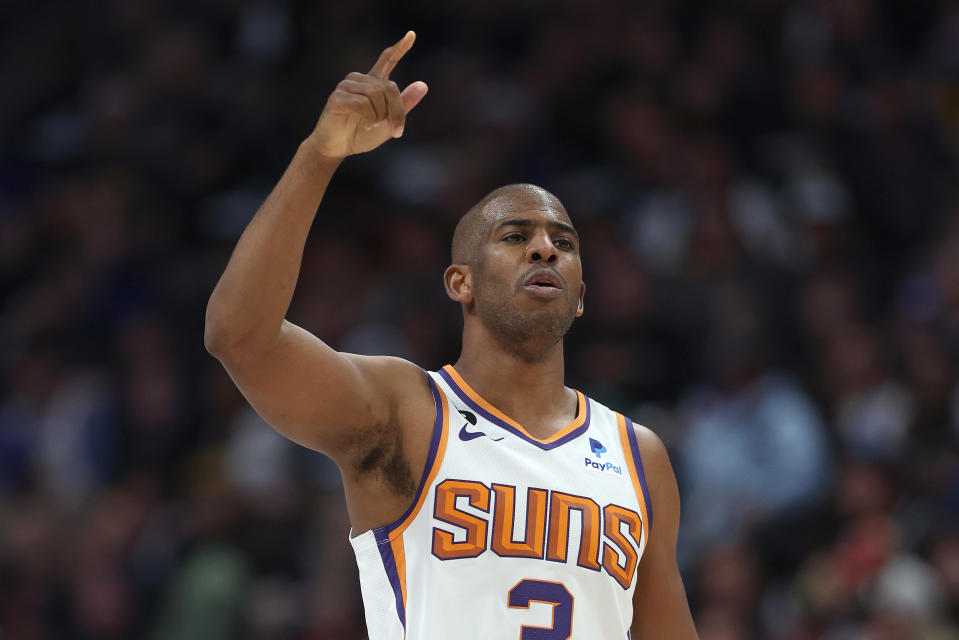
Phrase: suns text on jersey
(609, 540)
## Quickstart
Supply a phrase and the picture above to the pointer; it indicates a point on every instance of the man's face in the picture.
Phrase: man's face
(528, 280)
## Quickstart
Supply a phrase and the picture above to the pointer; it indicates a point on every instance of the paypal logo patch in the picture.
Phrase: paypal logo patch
(597, 447)
(609, 467)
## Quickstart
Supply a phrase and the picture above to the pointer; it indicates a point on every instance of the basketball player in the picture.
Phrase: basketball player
(487, 499)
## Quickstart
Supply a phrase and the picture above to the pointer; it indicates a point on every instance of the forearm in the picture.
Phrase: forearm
(253, 295)
(251, 299)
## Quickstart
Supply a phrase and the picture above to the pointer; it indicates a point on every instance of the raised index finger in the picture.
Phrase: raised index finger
(392, 55)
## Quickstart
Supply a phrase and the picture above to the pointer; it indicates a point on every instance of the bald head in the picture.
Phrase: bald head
(474, 226)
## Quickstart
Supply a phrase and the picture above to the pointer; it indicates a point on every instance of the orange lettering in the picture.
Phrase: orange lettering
(560, 506)
(614, 517)
(444, 509)
(504, 516)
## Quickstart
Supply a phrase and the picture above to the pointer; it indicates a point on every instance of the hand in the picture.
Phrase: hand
(367, 109)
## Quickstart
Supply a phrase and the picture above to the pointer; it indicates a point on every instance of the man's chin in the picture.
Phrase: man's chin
(549, 320)
(526, 320)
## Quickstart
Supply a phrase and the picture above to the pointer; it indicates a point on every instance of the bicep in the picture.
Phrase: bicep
(660, 608)
(311, 393)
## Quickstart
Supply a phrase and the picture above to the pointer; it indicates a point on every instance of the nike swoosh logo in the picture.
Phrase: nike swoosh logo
(466, 435)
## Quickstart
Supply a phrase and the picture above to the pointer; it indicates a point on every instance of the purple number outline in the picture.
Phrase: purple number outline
(527, 591)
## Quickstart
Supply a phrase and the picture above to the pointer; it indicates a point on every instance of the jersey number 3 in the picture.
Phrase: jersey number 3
(554, 593)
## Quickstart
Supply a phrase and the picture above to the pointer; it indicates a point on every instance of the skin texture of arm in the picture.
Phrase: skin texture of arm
(343, 405)
(301, 386)
(660, 609)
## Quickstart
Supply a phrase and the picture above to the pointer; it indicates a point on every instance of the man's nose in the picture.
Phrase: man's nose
(541, 249)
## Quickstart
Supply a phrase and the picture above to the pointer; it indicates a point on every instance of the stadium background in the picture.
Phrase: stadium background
(767, 193)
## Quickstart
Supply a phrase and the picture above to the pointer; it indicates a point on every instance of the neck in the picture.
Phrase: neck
(530, 390)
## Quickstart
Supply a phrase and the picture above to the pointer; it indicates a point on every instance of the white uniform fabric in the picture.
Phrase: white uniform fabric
(510, 536)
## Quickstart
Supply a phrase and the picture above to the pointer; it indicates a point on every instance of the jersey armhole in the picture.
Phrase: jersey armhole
(634, 460)
(434, 458)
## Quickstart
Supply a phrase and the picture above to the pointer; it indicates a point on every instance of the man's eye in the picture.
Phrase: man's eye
(514, 237)
(563, 243)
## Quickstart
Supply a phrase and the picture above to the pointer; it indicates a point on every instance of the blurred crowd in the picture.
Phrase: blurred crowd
(768, 196)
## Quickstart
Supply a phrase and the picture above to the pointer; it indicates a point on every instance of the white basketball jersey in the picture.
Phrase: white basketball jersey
(511, 537)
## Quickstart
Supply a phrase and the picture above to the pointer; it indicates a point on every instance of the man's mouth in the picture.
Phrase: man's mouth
(543, 284)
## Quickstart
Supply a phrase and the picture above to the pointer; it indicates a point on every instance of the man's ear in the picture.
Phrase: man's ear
(458, 279)
(582, 294)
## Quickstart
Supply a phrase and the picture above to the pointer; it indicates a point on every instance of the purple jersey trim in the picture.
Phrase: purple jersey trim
(430, 456)
(382, 534)
(634, 446)
(389, 563)
(505, 425)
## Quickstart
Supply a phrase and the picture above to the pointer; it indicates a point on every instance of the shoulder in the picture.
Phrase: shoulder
(401, 388)
(660, 608)
(393, 377)
(655, 458)
(649, 442)
(409, 388)
(400, 436)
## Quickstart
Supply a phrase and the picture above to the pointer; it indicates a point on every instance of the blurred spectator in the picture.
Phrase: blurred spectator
(755, 448)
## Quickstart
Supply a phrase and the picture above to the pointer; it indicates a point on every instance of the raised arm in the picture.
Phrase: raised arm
(660, 609)
(312, 394)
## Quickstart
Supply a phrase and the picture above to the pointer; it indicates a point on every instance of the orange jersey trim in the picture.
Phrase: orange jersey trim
(430, 475)
(634, 475)
(577, 422)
